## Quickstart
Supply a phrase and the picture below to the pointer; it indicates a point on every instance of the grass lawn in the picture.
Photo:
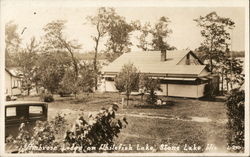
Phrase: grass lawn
(155, 131)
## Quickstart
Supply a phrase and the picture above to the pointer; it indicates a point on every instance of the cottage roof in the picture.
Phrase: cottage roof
(13, 72)
(150, 62)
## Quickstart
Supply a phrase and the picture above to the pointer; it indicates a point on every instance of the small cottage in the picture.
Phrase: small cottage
(180, 72)
(12, 83)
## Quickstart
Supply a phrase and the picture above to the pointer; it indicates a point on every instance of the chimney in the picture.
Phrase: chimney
(163, 55)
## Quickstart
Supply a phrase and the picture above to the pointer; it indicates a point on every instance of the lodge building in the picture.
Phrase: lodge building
(180, 72)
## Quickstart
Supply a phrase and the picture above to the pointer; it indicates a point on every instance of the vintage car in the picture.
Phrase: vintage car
(28, 112)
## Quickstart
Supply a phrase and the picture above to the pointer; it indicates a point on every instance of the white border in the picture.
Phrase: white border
(132, 3)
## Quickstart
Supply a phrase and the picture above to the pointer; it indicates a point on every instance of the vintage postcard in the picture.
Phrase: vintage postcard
(124, 78)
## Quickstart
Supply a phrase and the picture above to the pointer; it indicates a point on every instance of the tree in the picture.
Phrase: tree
(26, 62)
(144, 42)
(58, 54)
(85, 81)
(236, 119)
(154, 38)
(12, 43)
(87, 78)
(127, 80)
(160, 32)
(67, 86)
(51, 68)
(55, 40)
(101, 22)
(118, 37)
(151, 85)
(214, 30)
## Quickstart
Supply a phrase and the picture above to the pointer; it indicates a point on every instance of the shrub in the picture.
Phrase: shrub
(101, 129)
(151, 85)
(209, 91)
(236, 123)
(151, 98)
(127, 80)
(48, 98)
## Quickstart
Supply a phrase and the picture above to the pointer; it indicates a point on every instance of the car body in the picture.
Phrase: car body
(28, 112)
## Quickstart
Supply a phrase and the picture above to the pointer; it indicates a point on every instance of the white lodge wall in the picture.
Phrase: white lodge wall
(201, 89)
(110, 86)
(182, 90)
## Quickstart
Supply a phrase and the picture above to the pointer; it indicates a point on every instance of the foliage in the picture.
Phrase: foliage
(86, 78)
(214, 30)
(118, 41)
(48, 98)
(67, 85)
(27, 61)
(236, 119)
(61, 54)
(152, 98)
(144, 42)
(160, 32)
(84, 83)
(100, 129)
(12, 43)
(151, 85)
(234, 68)
(59, 122)
(51, 69)
(41, 138)
(209, 91)
(154, 38)
(127, 80)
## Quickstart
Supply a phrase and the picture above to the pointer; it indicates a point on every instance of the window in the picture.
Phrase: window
(10, 111)
(35, 110)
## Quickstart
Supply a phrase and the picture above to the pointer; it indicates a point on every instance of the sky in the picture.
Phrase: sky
(186, 33)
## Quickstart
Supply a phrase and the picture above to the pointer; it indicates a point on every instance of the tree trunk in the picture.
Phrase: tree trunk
(211, 62)
(36, 84)
(231, 85)
(127, 99)
(222, 82)
(95, 62)
(227, 83)
(210, 55)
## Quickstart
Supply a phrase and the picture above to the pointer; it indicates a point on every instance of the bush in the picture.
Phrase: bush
(152, 97)
(209, 91)
(236, 123)
(99, 130)
(48, 98)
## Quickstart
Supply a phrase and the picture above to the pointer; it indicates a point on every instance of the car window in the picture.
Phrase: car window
(10, 111)
(35, 110)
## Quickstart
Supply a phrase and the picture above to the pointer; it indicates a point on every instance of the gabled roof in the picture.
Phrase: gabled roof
(150, 62)
(12, 72)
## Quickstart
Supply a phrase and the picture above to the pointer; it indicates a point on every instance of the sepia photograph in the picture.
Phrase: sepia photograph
(136, 78)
